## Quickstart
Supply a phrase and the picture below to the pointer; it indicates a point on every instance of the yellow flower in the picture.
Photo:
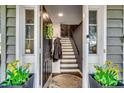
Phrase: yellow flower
(116, 66)
(109, 62)
(15, 64)
(11, 67)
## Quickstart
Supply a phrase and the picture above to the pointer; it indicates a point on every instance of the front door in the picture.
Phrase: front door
(25, 29)
(96, 36)
(28, 37)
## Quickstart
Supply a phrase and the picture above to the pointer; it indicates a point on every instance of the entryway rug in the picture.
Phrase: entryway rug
(66, 81)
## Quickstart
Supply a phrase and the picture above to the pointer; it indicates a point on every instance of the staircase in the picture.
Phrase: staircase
(69, 56)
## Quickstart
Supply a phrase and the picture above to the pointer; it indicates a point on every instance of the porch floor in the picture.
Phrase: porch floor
(66, 81)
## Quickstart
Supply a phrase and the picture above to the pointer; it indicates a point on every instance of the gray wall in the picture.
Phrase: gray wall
(8, 30)
(115, 30)
(77, 37)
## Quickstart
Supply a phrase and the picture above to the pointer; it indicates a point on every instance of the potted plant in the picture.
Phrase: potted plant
(48, 31)
(106, 76)
(48, 34)
(18, 76)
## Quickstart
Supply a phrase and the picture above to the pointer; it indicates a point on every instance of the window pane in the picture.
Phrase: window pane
(29, 46)
(92, 40)
(29, 16)
(92, 32)
(92, 17)
(29, 31)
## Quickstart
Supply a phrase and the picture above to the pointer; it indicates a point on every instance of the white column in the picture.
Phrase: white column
(85, 45)
(37, 44)
(17, 31)
(105, 32)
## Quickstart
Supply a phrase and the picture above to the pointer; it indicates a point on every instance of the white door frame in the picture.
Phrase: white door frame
(103, 23)
(37, 44)
(41, 42)
(19, 49)
(85, 30)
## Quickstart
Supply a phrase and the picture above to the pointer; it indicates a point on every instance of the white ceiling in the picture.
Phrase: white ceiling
(72, 14)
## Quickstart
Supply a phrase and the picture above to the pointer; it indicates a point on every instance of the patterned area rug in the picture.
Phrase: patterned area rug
(66, 81)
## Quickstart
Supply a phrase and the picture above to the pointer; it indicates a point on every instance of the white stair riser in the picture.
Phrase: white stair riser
(66, 44)
(65, 40)
(69, 70)
(69, 65)
(67, 49)
(69, 56)
(69, 53)
(68, 60)
(74, 51)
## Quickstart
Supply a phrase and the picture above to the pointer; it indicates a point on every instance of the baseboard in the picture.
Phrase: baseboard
(48, 81)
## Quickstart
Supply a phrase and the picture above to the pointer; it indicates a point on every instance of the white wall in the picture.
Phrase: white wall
(57, 30)
(57, 33)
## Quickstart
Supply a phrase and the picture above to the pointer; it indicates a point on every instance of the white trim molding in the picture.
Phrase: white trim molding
(37, 45)
(41, 45)
(85, 45)
(17, 31)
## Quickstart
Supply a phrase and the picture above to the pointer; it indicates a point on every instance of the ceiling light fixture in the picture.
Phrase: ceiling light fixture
(60, 14)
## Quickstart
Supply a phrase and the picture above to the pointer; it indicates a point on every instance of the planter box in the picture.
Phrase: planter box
(28, 84)
(95, 84)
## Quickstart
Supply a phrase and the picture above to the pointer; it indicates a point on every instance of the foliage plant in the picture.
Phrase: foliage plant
(108, 74)
(16, 75)
(48, 31)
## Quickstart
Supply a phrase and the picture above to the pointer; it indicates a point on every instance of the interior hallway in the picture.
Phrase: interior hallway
(66, 72)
